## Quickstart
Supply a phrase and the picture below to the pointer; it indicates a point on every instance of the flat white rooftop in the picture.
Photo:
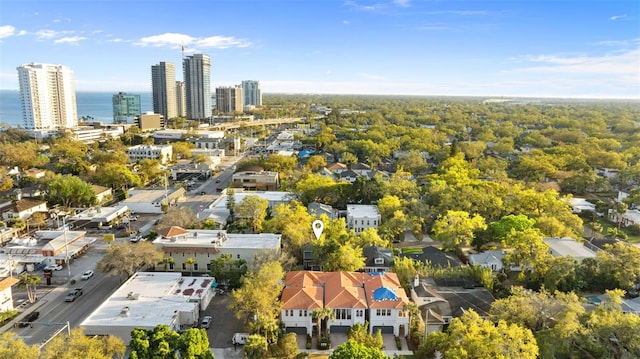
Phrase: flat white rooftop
(206, 238)
(567, 246)
(148, 299)
(362, 211)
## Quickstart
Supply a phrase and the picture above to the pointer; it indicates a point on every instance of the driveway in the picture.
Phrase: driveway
(223, 324)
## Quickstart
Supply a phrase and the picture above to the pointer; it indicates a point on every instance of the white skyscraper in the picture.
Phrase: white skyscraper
(252, 93)
(48, 96)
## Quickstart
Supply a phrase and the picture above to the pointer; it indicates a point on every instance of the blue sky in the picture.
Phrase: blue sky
(544, 48)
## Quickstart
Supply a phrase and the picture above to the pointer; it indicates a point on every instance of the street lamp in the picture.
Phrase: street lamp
(66, 247)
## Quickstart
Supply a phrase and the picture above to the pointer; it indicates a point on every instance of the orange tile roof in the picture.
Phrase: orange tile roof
(312, 290)
(172, 231)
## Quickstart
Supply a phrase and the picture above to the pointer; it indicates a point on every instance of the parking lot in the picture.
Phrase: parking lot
(223, 324)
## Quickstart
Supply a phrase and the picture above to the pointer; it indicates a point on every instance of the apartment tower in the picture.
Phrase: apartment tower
(229, 99)
(197, 79)
(181, 97)
(125, 107)
(48, 97)
(163, 83)
(252, 93)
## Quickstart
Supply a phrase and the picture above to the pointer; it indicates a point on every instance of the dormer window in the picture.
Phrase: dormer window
(379, 261)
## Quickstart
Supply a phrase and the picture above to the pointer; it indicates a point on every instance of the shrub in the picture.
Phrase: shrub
(73, 281)
(308, 346)
(634, 229)
(398, 343)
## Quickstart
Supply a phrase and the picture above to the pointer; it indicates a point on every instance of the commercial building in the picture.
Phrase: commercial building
(139, 152)
(149, 121)
(229, 99)
(48, 97)
(203, 246)
(149, 299)
(125, 107)
(152, 200)
(197, 78)
(255, 179)
(252, 93)
(163, 84)
(361, 217)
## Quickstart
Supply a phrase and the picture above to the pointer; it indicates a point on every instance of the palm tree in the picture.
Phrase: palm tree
(322, 314)
(167, 261)
(190, 261)
(30, 282)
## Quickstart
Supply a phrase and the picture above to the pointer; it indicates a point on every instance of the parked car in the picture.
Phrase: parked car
(53, 267)
(203, 193)
(239, 338)
(86, 275)
(73, 295)
(31, 317)
(206, 322)
(135, 239)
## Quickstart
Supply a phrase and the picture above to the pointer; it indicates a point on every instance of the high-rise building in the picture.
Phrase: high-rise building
(252, 93)
(163, 83)
(48, 97)
(125, 107)
(197, 79)
(181, 96)
(228, 99)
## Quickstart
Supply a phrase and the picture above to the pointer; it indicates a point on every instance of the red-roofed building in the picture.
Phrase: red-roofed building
(377, 298)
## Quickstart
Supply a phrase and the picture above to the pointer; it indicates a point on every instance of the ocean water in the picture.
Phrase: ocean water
(95, 104)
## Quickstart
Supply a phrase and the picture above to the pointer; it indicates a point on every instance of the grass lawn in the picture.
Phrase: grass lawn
(606, 224)
(411, 250)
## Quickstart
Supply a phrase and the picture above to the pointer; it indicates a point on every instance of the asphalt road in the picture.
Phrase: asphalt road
(55, 312)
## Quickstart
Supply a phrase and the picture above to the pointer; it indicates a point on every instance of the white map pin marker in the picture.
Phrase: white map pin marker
(318, 227)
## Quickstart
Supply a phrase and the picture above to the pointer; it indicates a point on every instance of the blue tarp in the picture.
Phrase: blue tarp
(384, 293)
(306, 153)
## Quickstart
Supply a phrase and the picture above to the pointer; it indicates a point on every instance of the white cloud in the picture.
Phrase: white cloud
(46, 34)
(624, 63)
(346, 22)
(6, 31)
(73, 40)
(618, 17)
(459, 12)
(402, 3)
(174, 40)
(165, 40)
(221, 42)
(22, 33)
(115, 40)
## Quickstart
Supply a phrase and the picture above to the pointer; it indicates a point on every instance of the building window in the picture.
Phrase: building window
(171, 266)
(238, 256)
(195, 266)
(184, 266)
(342, 313)
(359, 312)
(208, 267)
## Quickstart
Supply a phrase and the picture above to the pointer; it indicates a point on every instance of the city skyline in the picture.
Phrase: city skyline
(397, 47)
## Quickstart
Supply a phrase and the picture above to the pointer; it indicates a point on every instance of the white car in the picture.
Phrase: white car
(53, 267)
(135, 239)
(86, 275)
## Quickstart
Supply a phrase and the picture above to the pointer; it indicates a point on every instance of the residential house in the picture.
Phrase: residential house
(309, 260)
(337, 167)
(347, 176)
(361, 217)
(441, 300)
(22, 209)
(436, 257)
(377, 259)
(361, 169)
(318, 209)
(488, 259)
(567, 246)
(355, 297)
